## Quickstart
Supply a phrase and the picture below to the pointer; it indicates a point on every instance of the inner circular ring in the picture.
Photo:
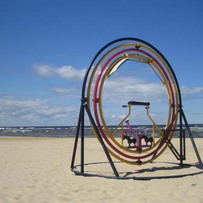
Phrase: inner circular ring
(98, 100)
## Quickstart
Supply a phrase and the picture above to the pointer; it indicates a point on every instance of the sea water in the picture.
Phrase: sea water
(70, 131)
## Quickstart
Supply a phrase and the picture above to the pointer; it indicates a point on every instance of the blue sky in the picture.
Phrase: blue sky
(46, 46)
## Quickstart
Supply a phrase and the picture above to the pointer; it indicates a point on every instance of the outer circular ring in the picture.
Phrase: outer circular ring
(104, 65)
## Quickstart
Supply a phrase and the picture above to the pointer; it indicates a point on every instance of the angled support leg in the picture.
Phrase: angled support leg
(76, 138)
(101, 141)
(192, 140)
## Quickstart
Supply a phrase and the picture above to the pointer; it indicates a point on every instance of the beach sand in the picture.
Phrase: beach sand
(37, 170)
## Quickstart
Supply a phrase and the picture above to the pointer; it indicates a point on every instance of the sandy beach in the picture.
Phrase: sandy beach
(37, 170)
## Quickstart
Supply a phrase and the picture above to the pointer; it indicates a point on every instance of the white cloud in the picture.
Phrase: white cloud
(117, 92)
(120, 90)
(128, 88)
(66, 72)
(188, 91)
(23, 111)
(71, 92)
(9, 101)
(43, 70)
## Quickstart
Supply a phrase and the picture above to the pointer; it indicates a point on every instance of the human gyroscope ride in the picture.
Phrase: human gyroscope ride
(123, 142)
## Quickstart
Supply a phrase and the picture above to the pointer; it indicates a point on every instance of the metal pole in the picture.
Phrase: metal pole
(82, 137)
(181, 135)
(76, 139)
(192, 140)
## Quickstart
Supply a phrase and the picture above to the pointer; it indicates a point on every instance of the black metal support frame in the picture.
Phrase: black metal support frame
(84, 109)
(80, 129)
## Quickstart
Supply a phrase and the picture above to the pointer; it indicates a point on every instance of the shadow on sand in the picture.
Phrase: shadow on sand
(142, 174)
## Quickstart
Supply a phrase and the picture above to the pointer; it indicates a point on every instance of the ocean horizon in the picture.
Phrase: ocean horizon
(70, 131)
